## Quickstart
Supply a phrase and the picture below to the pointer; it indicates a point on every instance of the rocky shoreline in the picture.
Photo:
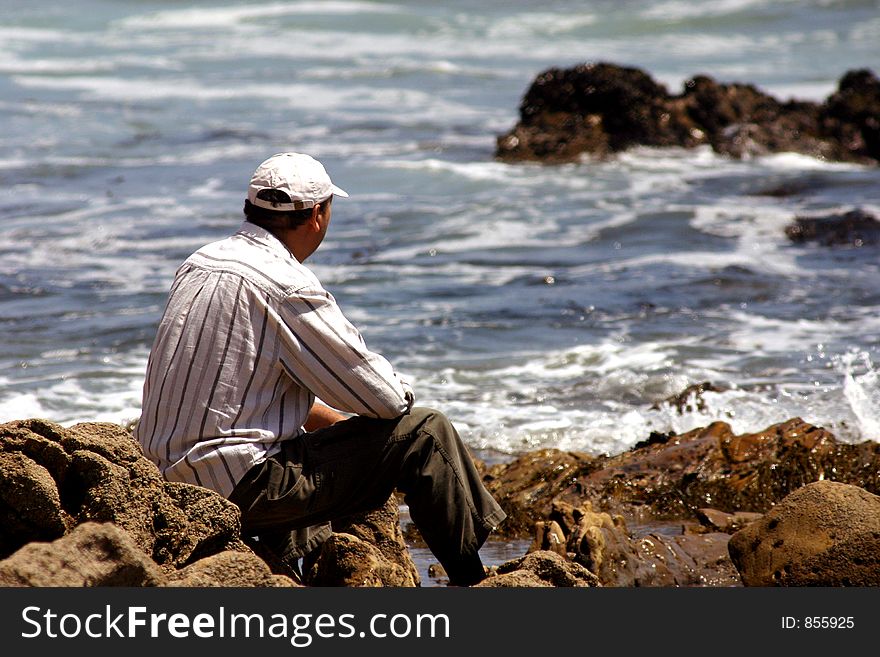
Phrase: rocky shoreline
(790, 505)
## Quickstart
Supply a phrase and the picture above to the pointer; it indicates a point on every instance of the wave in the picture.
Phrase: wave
(530, 406)
(235, 16)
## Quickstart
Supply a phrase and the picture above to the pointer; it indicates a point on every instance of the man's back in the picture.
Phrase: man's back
(247, 335)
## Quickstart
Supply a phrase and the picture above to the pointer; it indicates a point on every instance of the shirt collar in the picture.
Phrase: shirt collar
(264, 237)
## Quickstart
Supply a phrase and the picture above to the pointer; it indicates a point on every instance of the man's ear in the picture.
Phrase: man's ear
(315, 219)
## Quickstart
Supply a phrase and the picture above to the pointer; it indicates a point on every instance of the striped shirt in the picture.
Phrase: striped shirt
(249, 338)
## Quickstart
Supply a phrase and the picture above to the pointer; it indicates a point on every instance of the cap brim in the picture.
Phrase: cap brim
(338, 191)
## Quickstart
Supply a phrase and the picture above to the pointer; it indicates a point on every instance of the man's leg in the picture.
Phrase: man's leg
(356, 464)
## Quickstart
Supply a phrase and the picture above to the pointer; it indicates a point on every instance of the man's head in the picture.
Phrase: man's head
(300, 177)
(290, 195)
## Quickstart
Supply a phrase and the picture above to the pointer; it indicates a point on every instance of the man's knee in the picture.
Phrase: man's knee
(433, 426)
(432, 421)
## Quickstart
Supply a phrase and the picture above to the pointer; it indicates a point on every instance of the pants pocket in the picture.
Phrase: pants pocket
(284, 482)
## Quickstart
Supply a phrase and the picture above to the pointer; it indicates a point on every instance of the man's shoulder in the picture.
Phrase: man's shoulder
(257, 261)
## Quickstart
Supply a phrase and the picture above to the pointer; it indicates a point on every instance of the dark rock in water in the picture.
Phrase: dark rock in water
(593, 108)
(824, 534)
(540, 569)
(855, 228)
(92, 554)
(690, 399)
(851, 115)
(602, 108)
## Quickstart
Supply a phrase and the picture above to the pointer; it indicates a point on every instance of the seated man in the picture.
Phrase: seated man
(249, 339)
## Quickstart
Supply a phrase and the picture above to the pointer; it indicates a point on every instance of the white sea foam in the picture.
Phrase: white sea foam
(234, 16)
(112, 396)
(676, 10)
(862, 390)
(541, 24)
(483, 408)
(757, 334)
(867, 32)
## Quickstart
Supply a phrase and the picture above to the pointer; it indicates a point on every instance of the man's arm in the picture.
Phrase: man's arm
(327, 355)
(322, 416)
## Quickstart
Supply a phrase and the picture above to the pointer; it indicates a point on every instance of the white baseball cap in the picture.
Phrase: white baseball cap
(300, 176)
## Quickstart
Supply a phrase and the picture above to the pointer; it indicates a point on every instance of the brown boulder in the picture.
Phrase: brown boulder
(540, 569)
(346, 560)
(92, 554)
(366, 549)
(228, 569)
(30, 506)
(55, 478)
(824, 534)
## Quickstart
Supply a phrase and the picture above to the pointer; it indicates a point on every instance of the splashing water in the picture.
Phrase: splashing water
(861, 388)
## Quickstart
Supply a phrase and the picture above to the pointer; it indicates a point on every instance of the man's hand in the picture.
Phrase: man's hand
(322, 416)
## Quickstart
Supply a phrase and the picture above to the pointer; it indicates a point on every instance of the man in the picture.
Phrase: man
(248, 341)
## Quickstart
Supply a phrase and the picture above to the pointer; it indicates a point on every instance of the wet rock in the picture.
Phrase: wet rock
(823, 534)
(549, 537)
(366, 549)
(690, 399)
(92, 554)
(687, 560)
(855, 228)
(603, 545)
(601, 108)
(728, 523)
(525, 488)
(437, 571)
(228, 569)
(593, 108)
(709, 466)
(540, 569)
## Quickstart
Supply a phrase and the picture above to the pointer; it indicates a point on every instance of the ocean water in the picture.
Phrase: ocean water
(539, 306)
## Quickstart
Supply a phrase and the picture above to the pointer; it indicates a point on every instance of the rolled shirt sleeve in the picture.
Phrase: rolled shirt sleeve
(323, 352)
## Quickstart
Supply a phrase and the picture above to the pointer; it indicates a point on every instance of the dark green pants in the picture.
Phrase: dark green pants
(354, 466)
